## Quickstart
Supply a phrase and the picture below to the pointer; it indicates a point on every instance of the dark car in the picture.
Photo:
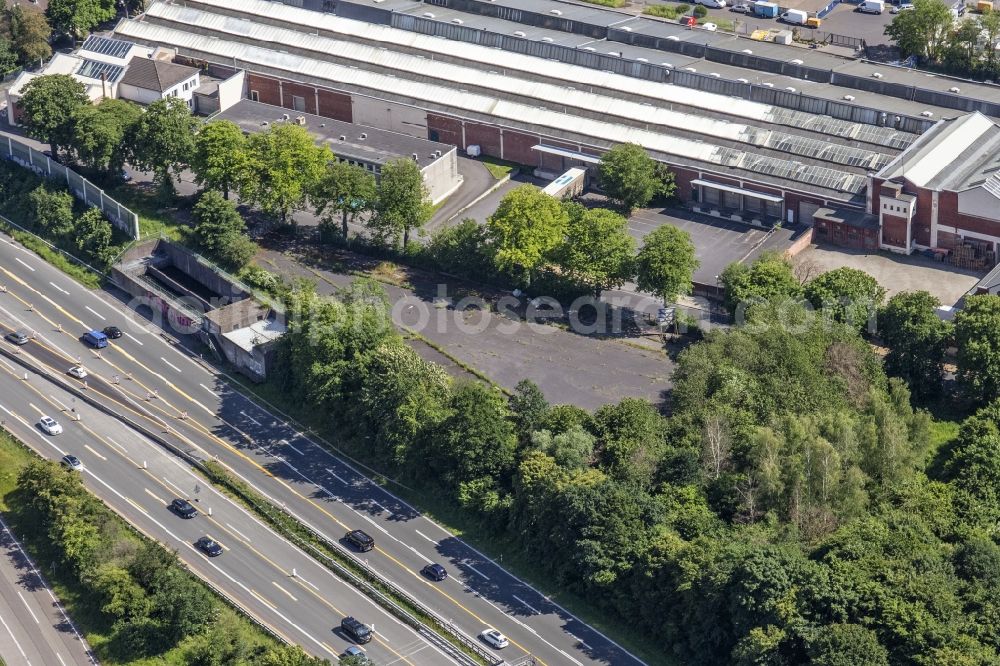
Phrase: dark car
(113, 332)
(434, 572)
(209, 546)
(359, 631)
(183, 508)
(360, 540)
(17, 337)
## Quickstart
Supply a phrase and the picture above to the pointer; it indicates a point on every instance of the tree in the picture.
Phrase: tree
(346, 189)
(598, 250)
(51, 210)
(525, 228)
(924, 30)
(850, 296)
(221, 231)
(163, 140)
(977, 337)
(629, 176)
(93, 235)
(29, 34)
(960, 52)
(8, 58)
(631, 435)
(48, 104)
(220, 159)
(528, 406)
(79, 17)
(99, 133)
(288, 164)
(990, 23)
(916, 338)
(402, 202)
(666, 263)
(769, 277)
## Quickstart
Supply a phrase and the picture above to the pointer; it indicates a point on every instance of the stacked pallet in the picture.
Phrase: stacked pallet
(973, 254)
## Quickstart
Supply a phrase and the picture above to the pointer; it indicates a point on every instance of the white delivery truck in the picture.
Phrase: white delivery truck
(795, 17)
(872, 6)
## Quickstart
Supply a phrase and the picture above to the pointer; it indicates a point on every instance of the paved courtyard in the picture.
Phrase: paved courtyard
(894, 272)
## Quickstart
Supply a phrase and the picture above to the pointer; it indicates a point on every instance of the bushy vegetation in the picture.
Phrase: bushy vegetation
(133, 598)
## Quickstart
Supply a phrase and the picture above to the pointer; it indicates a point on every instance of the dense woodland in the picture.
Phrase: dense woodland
(792, 508)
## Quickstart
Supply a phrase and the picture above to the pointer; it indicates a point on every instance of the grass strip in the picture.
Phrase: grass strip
(56, 257)
(292, 529)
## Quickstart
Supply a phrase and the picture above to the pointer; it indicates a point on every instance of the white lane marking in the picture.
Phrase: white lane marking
(526, 604)
(250, 418)
(565, 654)
(133, 339)
(476, 570)
(58, 287)
(238, 533)
(58, 402)
(173, 485)
(9, 366)
(59, 657)
(377, 526)
(285, 442)
(12, 633)
(290, 595)
(419, 554)
(381, 507)
(308, 583)
(25, 602)
(117, 445)
(154, 496)
(334, 475)
(207, 389)
(170, 364)
(18, 260)
(96, 313)
(426, 537)
(87, 446)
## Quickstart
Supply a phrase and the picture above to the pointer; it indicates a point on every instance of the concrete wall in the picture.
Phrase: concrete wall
(231, 90)
(387, 115)
(441, 176)
(188, 262)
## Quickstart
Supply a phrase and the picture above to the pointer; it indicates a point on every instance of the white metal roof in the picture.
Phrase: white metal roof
(221, 50)
(576, 75)
(939, 149)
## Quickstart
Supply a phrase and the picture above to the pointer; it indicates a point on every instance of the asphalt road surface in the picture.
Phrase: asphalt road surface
(279, 585)
(34, 628)
(159, 380)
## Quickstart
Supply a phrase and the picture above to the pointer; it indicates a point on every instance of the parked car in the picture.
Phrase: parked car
(113, 332)
(77, 371)
(434, 572)
(741, 8)
(359, 631)
(18, 338)
(355, 651)
(494, 638)
(183, 508)
(712, 4)
(209, 546)
(50, 425)
(901, 7)
(360, 540)
(71, 463)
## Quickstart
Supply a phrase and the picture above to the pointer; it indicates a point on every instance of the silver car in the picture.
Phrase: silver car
(50, 425)
(494, 638)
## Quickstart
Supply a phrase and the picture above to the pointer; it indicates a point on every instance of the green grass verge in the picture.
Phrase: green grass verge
(666, 11)
(79, 604)
(154, 221)
(608, 3)
(296, 533)
(84, 276)
(498, 168)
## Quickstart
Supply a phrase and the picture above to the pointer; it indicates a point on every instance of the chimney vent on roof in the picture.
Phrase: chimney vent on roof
(415, 157)
(795, 62)
(343, 138)
(364, 135)
(849, 98)
(428, 15)
(519, 33)
(748, 51)
(743, 80)
(926, 114)
(457, 21)
(285, 116)
(301, 120)
(876, 75)
(954, 89)
(555, 12)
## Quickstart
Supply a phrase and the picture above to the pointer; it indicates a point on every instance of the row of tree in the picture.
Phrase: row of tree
(792, 509)
(151, 604)
(931, 32)
(24, 37)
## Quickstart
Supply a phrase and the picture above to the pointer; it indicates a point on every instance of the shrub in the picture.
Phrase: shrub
(700, 11)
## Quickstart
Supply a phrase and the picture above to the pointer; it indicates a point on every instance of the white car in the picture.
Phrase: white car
(494, 638)
(77, 371)
(71, 462)
(712, 4)
(49, 425)
(711, 27)
(901, 7)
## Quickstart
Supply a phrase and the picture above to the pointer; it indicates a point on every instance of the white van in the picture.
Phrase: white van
(872, 6)
(712, 4)
(795, 17)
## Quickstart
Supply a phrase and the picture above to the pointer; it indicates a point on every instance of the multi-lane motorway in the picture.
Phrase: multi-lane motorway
(153, 377)
(34, 628)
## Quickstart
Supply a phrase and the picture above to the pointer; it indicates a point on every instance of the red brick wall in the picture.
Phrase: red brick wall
(517, 147)
(307, 93)
(555, 162)
(335, 105)
(683, 178)
(266, 87)
(792, 201)
(921, 216)
(947, 239)
(449, 130)
(894, 230)
(948, 216)
(486, 137)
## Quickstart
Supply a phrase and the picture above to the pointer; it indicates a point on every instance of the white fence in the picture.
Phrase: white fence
(83, 189)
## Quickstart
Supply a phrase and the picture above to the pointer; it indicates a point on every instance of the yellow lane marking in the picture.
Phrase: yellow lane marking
(155, 496)
(87, 446)
(138, 508)
(290, 595)
(262, 600)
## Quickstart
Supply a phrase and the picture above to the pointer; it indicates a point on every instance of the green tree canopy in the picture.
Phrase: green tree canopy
(666, 263)
(163, 140)
(93, 235)
(402, 202)
(597, 250)
(977, 337)
(628, 175)
(220, 160)
(29, 34)
(79, 17)
(849, 295)
(916, 338)
(288, 164)
(346, 189)
(922, 31)
(51, 209)
(100, 133)
(49, 103)
(769, 277)
(525, 228)
(221, 231)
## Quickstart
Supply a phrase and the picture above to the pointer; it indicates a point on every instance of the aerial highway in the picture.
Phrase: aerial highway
(286, 590)
(154, 375)
(34, 628)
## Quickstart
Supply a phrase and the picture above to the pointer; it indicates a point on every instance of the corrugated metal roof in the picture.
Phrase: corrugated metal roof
(312, 22)
(546, 93)
(222, 50)
(940, 149)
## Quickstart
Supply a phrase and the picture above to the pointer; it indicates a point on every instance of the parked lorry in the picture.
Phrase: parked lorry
(872, 6)
(765, 9)
(796, 16)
